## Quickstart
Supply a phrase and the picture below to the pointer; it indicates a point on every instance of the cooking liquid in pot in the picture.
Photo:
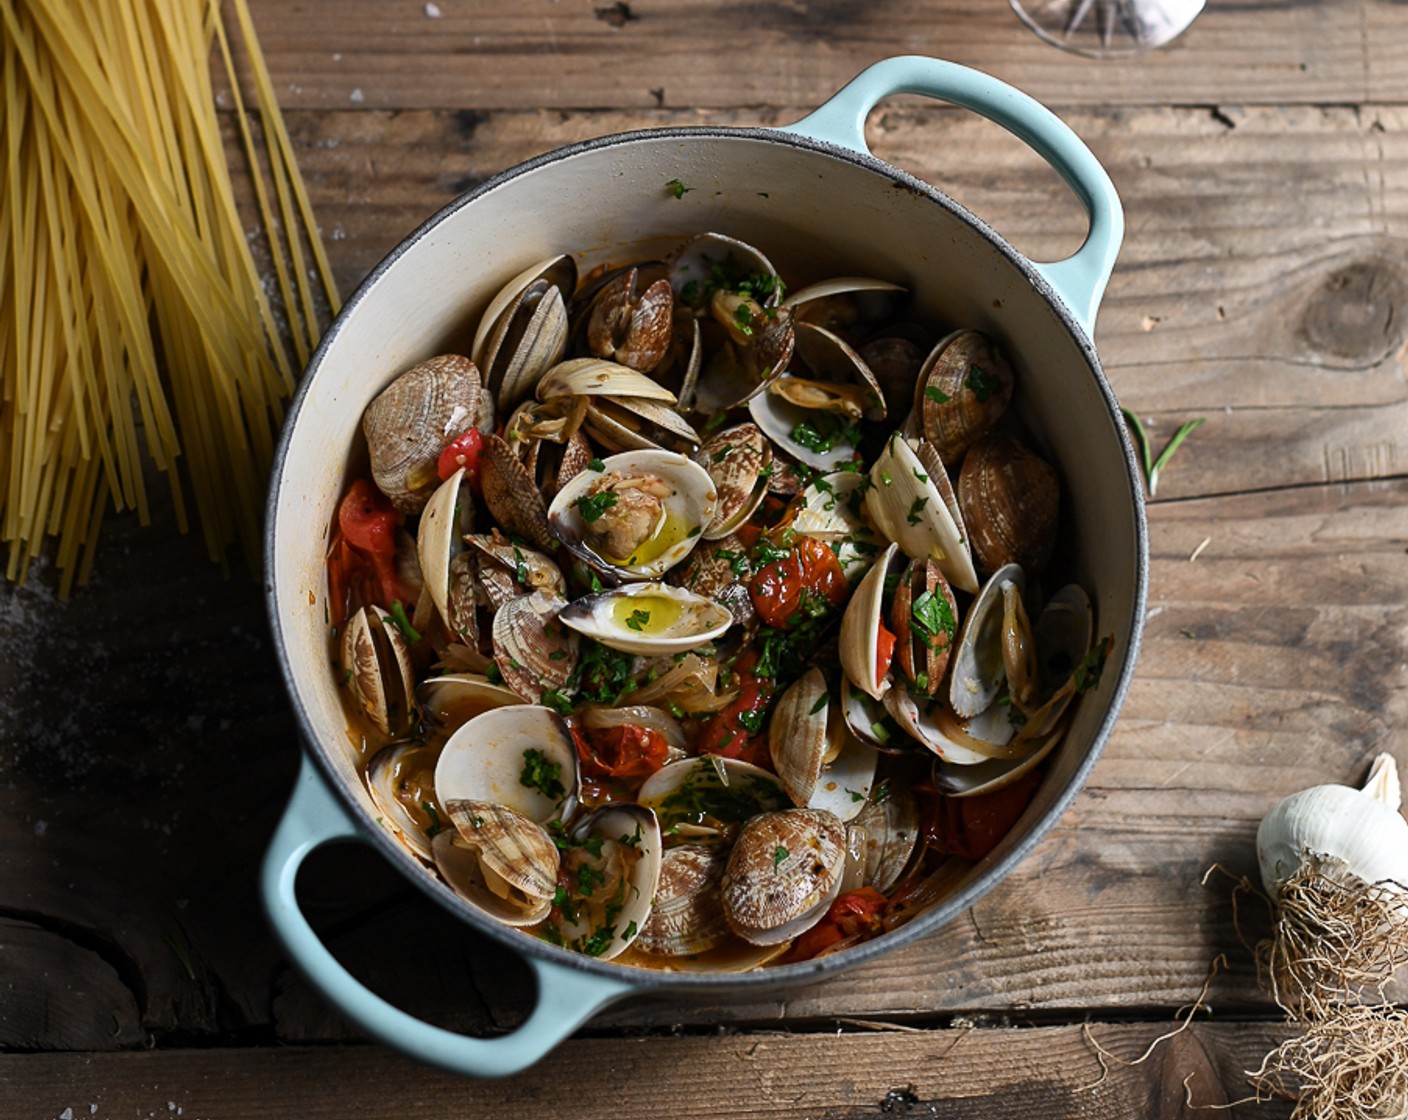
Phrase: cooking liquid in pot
(844, 704)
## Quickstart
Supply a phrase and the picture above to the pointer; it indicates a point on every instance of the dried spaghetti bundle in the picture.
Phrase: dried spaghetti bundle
(133, 318)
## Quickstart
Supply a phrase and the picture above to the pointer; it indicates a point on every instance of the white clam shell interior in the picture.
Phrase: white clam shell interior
(484, 761)
(650, 619)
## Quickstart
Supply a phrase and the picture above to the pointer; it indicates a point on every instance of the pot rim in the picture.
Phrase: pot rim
(939, 915)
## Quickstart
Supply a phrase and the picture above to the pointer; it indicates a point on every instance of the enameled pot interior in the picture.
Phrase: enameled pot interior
(815, 213)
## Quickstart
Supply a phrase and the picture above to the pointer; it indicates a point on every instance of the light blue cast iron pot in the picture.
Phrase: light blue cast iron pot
(815, 200)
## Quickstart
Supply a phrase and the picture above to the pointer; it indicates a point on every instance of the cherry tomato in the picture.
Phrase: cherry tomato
(368, 519)
(972, 826)
(884, 652)
(620, 752)
(855, 912)
(362, 559)
(724, 734)
(809, 569)
(463, 451)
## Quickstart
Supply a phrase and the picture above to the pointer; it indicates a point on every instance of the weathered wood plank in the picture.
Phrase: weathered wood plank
(495, 54)
(983, 1074)
(1262, 283)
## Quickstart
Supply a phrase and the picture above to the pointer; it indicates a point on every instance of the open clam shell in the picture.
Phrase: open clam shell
(499, 861)
(377, 664)
(596, 377)
(844, 302)
(979, 669)
(737, 372)
(924, 619)
(907, 502)
(868, 720)
(831, 360)
(710, 797)
(611, 867)
(830, 509)
(784, 871)
(860, 629)
(518, 756)
(845, 781)
(401, 781)
(447, 517)
(738, 460)
(1065, 631)
(448, 702)
(651, 619)
(654, 503)
(804, 433)
(891, 823)
(523, 332)
(635, 423)
(713, 260)
(923, 720)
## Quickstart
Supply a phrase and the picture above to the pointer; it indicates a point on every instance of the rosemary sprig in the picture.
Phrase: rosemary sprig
(1153, 466)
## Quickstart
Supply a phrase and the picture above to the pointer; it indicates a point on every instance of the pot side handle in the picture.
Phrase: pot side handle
(1079, 279)
(566, 997)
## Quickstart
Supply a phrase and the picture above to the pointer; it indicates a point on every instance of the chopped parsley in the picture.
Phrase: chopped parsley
(677, 188)
(916, 508)
(751, 721)
(401, 622)
(435, 823)
(982, 384)
(542, 774)
(767, 552)
(938, 396)
(493, 674)
(592, 506)
(1087, 674)
(933, 616)
(558, 701)
(778, 855)
(824, 431)
(743, 320)
(821, 702)
(638, 621)
(596, 465)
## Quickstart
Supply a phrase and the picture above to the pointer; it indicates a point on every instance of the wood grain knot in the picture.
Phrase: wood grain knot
(1354, 313)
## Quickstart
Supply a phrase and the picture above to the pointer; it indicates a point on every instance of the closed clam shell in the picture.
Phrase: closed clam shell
(511, 494)
(737, 459)
(963, 390)
(688, 916)
(535, 653)
(632, 423)
(717, 570)
(783, 872)
(461, 866)
(411, 421)
(1011, 499)
(523, 332)
(447, 516)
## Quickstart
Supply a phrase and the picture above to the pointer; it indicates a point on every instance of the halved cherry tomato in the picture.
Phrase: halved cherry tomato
(620, 752)
(972, 826)
(462, 451)
(368, 519)
(810, 568)
(855, 912)
(362, 557)
(723, 734)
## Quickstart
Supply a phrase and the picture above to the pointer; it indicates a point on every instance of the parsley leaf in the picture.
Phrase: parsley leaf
(982, 383)
(938, 396)
(542, 774)
(638, 621)
(778, 855)
(677, 188)
(592, 506)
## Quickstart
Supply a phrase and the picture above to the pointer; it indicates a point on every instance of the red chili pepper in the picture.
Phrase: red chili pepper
(462, 451)
(809, 567)
(884, 652)
(620, 752)
(723, 734)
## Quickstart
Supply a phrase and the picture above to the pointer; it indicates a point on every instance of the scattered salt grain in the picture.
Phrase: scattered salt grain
(357, 97)
(66, 1114)
(432, 11)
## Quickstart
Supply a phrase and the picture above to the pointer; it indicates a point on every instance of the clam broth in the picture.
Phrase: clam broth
(694, 622)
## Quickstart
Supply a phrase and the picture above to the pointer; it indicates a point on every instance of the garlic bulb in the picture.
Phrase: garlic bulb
(1358, 831)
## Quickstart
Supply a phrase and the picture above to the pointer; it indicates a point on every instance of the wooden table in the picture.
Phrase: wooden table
(147, 744)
